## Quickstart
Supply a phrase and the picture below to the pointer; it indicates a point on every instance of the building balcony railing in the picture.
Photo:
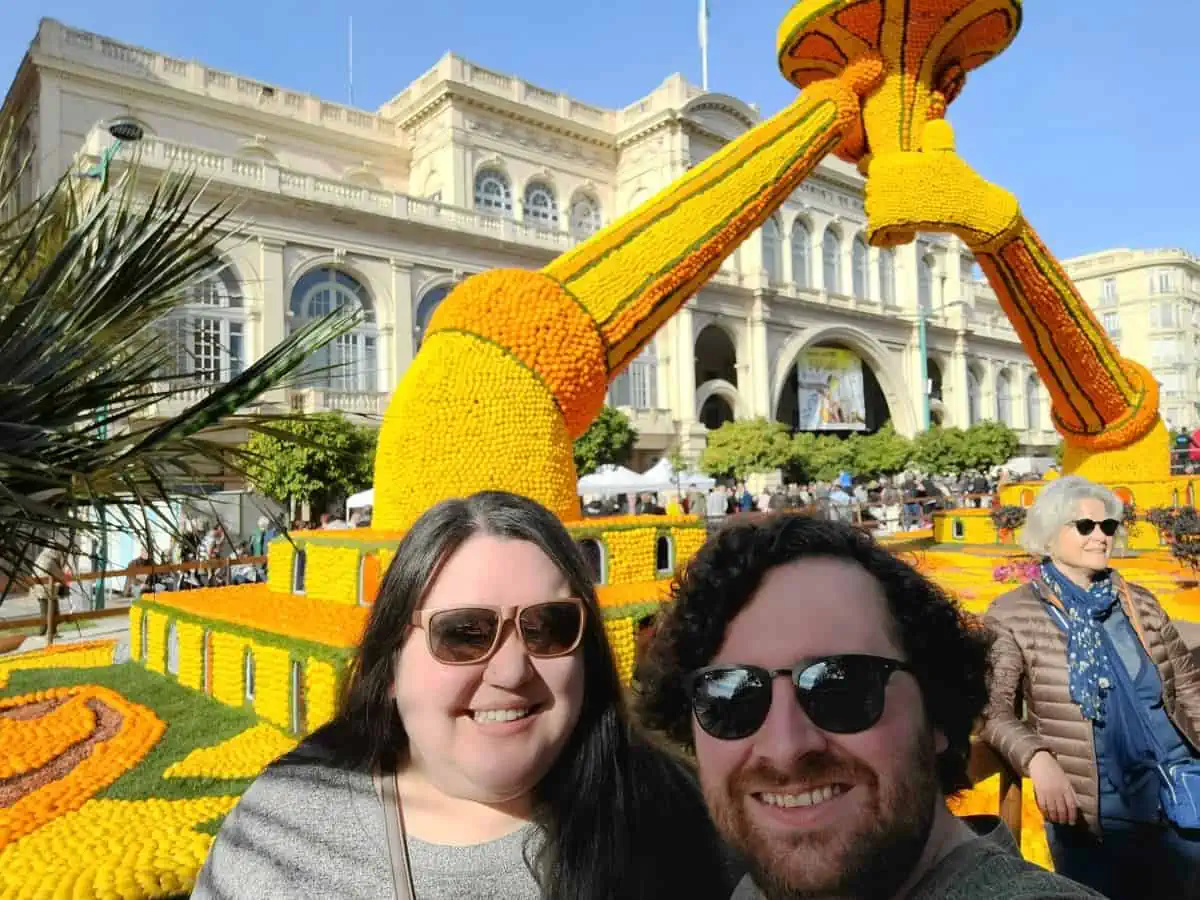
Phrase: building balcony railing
(185, 394)
(92, 50)
(315, 400)
(159, 154)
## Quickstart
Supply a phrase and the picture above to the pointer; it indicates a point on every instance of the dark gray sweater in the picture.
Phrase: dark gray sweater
(307, 830)
(989, 867)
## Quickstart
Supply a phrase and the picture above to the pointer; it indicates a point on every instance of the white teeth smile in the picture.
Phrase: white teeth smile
(809, 798)
(499, 715)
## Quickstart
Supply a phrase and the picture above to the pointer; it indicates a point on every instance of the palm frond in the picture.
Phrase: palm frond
(87, 280)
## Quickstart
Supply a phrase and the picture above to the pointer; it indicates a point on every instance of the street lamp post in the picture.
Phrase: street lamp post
(922, 348)
(122, 133)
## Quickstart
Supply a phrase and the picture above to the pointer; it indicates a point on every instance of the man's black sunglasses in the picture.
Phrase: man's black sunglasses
(1087, 526)
(840, 694)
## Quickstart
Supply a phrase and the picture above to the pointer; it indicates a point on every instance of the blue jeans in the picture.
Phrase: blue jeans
(1132, 862)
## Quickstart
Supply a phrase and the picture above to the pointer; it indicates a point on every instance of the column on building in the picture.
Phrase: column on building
(958, 401)
(757, 380)
(273, 328)
(400, 352)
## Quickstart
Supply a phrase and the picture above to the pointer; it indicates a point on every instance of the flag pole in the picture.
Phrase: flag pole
(704, 44)
(351, 60)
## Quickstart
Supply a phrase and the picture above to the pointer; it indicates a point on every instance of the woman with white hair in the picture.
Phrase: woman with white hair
(1111, 739)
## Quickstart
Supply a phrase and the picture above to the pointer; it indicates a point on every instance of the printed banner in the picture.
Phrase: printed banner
(831, 394)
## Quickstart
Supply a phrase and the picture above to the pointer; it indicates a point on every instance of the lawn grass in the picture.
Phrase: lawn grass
(192, 719)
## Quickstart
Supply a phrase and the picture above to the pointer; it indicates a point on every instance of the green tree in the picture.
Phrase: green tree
(941, 451)
(86, 280)
(747, 446)
(608, 441)
(821, 457)
(311, 459)
(989, 444)
(883, 453)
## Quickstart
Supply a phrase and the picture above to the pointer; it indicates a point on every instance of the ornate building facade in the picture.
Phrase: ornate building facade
(469, 169)
(1149, 303)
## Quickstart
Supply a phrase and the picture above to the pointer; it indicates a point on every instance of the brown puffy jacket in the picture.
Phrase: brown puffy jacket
(1029, 661)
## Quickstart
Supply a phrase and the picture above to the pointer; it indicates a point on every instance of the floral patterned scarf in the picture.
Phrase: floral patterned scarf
(1088, 664)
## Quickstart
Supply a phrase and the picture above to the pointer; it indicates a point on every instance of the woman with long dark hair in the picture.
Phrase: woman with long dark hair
(483, 748)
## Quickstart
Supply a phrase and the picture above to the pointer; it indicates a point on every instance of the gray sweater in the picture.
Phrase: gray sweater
(989, 867)
(306, 830)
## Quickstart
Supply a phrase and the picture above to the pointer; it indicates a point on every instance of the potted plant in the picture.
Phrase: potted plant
(1007, 519)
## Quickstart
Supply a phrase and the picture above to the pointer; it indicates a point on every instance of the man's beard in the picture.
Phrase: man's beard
(868, 860)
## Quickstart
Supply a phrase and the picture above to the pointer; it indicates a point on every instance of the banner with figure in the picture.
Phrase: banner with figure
(831, 396)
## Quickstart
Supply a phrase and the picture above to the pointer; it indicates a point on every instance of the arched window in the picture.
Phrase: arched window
(664, 555)
(493, 192)
(887, 276)
(429, 302)
(207, 333)
(370, 575)
(974, 398)
(206, 663)
(801, 242)
(925, 283)
(772, 251)
(248, 674)
(593, 555)
(585, 217)
(299, 571)
(831, 260)
(144, 638)
(541, 206)
(1004, 399)
(351, 361)
(862, 276)
(637, 386)
(959, 530)
(1033, 404)
(172, 649)
(298, 704)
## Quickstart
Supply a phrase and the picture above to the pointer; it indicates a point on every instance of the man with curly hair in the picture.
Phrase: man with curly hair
(828, 691)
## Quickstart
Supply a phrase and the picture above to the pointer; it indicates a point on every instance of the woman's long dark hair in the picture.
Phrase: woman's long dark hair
(621, 819)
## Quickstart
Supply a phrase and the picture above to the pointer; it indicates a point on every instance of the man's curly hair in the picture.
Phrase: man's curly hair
(946, 649)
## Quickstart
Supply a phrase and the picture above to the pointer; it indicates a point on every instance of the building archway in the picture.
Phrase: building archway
(715, 412)
(716, 357)
(883, 387)
(936, 388)
(717, 402)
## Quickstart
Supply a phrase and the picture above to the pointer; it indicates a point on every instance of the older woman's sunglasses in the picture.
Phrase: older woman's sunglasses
(839, 694)
(464, 635)
(1087, 526)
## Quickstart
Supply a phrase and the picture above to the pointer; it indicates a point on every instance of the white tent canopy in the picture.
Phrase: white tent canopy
(608, 481)
(663, 477)
(361, 500)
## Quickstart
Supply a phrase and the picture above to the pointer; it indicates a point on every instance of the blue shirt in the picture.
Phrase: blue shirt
(1125, 758)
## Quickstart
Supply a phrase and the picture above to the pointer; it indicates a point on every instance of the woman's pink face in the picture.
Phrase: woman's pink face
(489, 731)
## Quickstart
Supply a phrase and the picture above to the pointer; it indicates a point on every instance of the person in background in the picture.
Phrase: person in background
(717, 504)
(483, 749)
(51, 563)
(829, 691)
(1110, 694)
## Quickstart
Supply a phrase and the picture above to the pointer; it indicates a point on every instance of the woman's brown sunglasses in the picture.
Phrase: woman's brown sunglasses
(465, 635)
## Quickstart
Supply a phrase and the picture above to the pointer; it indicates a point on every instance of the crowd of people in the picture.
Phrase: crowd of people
(804, 707)
(904, 502)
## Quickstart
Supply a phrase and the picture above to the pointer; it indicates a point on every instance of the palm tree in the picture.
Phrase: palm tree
(87, 277)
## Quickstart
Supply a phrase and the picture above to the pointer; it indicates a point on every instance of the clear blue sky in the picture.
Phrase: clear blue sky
(1090, 118)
